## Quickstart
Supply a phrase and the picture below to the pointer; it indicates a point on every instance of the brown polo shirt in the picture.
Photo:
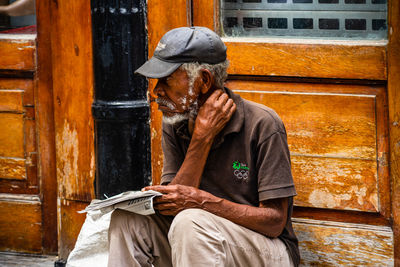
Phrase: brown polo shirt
(248, 162)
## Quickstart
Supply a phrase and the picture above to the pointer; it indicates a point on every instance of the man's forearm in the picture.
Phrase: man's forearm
(268, 219)
(192, 167)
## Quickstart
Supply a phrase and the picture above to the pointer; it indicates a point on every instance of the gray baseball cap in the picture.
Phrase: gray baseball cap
(182, 45)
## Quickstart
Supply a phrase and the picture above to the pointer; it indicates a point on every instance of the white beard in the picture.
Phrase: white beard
(175, 118)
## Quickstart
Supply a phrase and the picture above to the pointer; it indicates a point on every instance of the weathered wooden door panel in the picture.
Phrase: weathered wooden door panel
(332, 135)
(12, 137)
(17, 54)
(11, 100)
(20, 223)
(17, 138)
(336, 135)
(307, 58)
(20, 204)
(325, 243)
(11, 168)
(335, 184)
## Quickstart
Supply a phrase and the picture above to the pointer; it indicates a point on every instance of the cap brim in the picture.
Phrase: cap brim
(156, 68)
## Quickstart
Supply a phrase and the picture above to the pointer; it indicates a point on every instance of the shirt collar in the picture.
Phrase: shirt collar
(182, 129)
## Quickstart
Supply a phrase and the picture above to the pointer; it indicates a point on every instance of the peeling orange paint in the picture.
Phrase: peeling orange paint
(325, 243)
(12, 168)
(336, 183)
(67, 146)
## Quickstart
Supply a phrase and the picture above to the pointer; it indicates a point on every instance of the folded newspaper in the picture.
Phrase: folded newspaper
(133, 201)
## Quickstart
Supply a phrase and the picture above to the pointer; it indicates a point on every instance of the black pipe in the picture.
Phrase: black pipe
(120, 108)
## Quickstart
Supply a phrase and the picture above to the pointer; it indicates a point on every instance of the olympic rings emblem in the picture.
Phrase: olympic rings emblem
(241, 174)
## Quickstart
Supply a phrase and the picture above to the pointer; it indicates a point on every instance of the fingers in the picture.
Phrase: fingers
(215, 95)
(165, 189)
(164, 199)
(164, 209)
(165, 206)
(223, 98)
(220, 99)
(232, 110)
(228, 106)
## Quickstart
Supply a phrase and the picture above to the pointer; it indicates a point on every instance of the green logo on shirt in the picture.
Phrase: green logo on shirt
(241, 171)
(239, 166)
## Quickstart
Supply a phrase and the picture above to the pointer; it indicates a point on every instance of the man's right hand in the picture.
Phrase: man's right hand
(213, 115)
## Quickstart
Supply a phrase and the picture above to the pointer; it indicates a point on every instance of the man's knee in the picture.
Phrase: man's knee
(185, 218)
(189, 223)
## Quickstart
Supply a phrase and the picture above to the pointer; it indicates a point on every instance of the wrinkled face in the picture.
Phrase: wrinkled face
(176, 98)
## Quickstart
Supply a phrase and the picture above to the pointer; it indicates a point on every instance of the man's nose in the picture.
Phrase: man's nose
(158, 89)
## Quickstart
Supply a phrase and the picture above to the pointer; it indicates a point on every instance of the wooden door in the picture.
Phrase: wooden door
(28, 220)
(332, 95)
(20, 205)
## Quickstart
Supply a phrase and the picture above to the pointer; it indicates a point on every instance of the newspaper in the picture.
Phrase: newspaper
(133, 201)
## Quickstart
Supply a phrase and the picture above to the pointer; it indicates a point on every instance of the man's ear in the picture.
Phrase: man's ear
(207, 80)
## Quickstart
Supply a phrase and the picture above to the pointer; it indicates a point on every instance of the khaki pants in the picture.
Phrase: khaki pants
(193, 238)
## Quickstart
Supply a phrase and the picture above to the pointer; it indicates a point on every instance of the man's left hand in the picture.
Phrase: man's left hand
(176, 198)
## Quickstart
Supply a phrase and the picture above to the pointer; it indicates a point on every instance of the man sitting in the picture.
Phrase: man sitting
(226, 181)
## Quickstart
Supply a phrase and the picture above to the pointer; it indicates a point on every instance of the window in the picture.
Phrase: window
(343, 19)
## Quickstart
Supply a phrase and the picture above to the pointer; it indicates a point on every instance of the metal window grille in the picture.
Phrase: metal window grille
(362, 19)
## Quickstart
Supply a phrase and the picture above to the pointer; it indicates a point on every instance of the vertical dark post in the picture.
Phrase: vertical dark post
(120, 108)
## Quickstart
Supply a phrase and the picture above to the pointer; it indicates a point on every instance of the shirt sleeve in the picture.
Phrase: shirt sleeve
(173, 157)
(274, 169)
